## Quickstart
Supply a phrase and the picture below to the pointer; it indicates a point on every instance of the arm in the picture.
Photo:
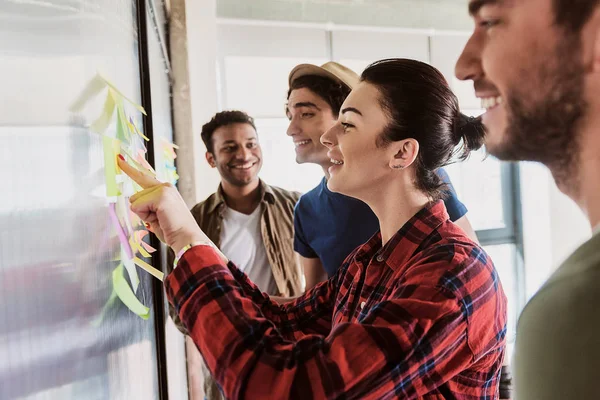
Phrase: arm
(420, 329)
(314, 272)
(465, 225)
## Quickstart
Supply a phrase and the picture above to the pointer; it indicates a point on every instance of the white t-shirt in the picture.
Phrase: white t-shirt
(242, 243)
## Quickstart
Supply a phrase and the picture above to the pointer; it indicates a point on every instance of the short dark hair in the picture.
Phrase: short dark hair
(573, 14)
(421, 106)
(221, 119)
(334, 93)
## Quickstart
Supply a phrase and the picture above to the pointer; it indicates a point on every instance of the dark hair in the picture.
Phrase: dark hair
(421, 106)
(334, 93)
(573, 14)
(221, 119)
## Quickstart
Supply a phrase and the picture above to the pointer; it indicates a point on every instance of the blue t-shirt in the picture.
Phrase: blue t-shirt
(330, 225)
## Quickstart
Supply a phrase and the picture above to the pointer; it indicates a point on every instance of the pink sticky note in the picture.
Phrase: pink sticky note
(120, 232)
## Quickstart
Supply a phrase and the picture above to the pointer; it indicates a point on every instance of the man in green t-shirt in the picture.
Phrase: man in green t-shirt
(535, 65)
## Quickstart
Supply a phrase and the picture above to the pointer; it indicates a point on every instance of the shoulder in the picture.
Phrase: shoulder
(283, 195)
(557, 336)
(465, 274)
(200, 210)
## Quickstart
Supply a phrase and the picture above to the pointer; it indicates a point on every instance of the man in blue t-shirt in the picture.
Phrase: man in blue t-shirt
(329, 226)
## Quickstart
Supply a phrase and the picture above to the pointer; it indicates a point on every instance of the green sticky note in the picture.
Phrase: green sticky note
(126, 295)
(111, 148)
(104, 119)
(122, 129)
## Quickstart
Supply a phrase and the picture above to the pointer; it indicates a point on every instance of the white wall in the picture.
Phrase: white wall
(202, 54)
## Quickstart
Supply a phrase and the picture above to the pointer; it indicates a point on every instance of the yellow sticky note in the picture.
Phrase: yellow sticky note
(138, 248)
(111, 149)
(148, 268)
(126, 295)
(104, 119)
(120, 94)
(134, 130)
(92, 89)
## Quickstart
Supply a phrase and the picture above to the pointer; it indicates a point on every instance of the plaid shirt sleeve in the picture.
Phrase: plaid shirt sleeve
(389, 351)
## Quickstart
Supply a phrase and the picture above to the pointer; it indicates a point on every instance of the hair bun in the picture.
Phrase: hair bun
(470, 131)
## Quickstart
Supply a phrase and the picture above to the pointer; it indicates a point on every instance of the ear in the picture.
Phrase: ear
(210, 158)
(404, 154)
(591, 33)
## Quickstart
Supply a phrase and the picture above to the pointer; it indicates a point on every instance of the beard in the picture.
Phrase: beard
(544, 128)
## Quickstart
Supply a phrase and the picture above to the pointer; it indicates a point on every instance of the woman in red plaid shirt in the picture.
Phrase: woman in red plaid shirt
(417, 312)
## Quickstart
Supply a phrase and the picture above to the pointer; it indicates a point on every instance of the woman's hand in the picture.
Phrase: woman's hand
(160, 205)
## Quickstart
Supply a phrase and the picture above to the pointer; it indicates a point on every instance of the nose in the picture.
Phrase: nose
(243, 153)
(329, 138)
(293, 128)
(468, 66)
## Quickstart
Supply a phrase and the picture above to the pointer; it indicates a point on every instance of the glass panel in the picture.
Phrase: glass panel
(478, 183)
(279, 158)
(57, 245)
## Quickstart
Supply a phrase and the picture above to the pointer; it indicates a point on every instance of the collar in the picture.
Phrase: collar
(218, 198)
(407, 240)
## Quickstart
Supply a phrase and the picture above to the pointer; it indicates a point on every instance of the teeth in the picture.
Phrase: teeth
(336, 162)
(301, 143)
(245, 166)
(491, 102)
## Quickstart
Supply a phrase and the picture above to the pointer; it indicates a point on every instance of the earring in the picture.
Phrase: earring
(398, 166)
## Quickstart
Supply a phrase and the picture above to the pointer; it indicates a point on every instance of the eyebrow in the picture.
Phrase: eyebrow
(234, 142)
(351, 109)
(475, 5)
(306, 104)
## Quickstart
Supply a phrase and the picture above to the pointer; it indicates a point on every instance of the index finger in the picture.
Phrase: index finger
(144, 180)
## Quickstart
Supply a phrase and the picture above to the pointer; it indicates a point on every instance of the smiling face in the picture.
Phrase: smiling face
(529, 75)
(237, 154)
(310, 116)
(359, 165)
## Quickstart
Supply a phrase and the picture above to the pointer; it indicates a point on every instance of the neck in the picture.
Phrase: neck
(395, 205)
(243, 199)
(583, 186)
(325, 169)
(587, 195)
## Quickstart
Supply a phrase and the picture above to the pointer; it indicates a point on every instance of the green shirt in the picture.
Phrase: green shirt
(557, 354)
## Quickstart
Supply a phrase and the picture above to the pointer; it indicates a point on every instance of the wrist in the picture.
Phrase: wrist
(180, 245)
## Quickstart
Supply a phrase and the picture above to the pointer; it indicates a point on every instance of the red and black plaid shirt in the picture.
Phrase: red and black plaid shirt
(424, 317)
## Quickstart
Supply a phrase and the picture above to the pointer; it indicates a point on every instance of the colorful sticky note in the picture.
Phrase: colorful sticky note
(148, 268)
(141, 158)
(122, 130)
(126, 295)
(134, 130)
(111, 148)
(140, 237)
(120, 233)
(100, 125)
(131, 271)
(138, 248)
(109, 83)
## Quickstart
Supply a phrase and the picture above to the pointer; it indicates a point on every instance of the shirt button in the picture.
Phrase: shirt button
(362, 305)
(380, 258)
